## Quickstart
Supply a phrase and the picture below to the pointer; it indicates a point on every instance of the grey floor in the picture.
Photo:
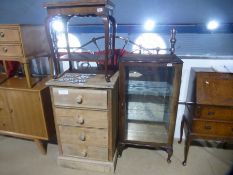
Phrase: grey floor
(21, 157)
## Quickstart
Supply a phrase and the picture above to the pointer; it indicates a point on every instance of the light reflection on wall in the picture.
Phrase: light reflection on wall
(74, 43)
(150, 41)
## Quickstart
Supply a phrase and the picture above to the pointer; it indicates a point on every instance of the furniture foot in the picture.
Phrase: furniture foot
(181, 129)
(121, 147)
(186, 148)
(224, 145)
(170, 153)
(41, 146)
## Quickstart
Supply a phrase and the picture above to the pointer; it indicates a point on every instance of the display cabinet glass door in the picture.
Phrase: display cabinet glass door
(148, 92)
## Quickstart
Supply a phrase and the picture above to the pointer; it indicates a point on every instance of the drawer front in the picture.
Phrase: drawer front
(214, 113)
(83, 142)
(11, 50)
(87, 136)
(9, 35)
(85, 98)
(83, 118)
(213, 128)
(214, 88)
(84, 151)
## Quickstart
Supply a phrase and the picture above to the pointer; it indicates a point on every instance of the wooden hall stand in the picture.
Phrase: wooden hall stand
(209, 108)
(25, 105)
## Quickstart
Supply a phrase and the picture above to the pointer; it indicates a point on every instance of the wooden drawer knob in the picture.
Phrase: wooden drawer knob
(82, 137)
(84, 153)
(2, 34)
(80, 120)
(79, 99)
(4, 49)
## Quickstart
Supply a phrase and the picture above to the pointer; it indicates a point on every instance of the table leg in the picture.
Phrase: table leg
(186, 148)
(170, 153)
(41, 146)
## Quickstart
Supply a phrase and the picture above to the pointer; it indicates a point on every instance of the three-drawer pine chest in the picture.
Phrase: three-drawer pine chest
(86, 122)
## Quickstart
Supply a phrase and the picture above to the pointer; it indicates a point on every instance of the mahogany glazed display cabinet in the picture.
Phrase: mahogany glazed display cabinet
(149, 92)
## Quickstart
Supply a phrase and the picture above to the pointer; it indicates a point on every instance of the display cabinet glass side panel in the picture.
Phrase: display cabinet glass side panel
(148, 92)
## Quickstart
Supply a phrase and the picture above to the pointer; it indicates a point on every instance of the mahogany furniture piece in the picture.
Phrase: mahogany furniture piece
(209, 107)
(22, 43)
(86, 120)
(25, 104)
(65, 12)
(148, 92)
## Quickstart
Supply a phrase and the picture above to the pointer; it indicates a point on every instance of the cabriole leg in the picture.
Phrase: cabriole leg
(181, 130)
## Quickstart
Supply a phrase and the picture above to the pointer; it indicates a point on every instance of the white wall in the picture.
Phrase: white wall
(225, 65)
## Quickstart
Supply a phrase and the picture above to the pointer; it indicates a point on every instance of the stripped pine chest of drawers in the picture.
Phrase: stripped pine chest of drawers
(86, 122)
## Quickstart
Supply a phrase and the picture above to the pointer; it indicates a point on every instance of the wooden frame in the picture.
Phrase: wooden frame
(22, 43)
(208, 110)
(104, 160)
(66, 10)
(143, 61)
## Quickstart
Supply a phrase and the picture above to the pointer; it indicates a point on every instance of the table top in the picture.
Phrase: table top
(79, 3)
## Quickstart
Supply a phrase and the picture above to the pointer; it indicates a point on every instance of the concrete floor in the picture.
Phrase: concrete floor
(21, 157)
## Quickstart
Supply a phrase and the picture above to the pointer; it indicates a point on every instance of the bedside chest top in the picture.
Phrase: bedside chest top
(93, 81)
(208, 87)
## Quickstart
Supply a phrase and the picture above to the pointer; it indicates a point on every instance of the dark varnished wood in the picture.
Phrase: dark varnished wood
(210, 116)
(126, 127)
(79, 3)
(98, 8)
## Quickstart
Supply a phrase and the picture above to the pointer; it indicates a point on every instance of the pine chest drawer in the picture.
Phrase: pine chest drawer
(9, 34)
(82, 98)
(81, 117)
(11, 50)
(84, 142)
